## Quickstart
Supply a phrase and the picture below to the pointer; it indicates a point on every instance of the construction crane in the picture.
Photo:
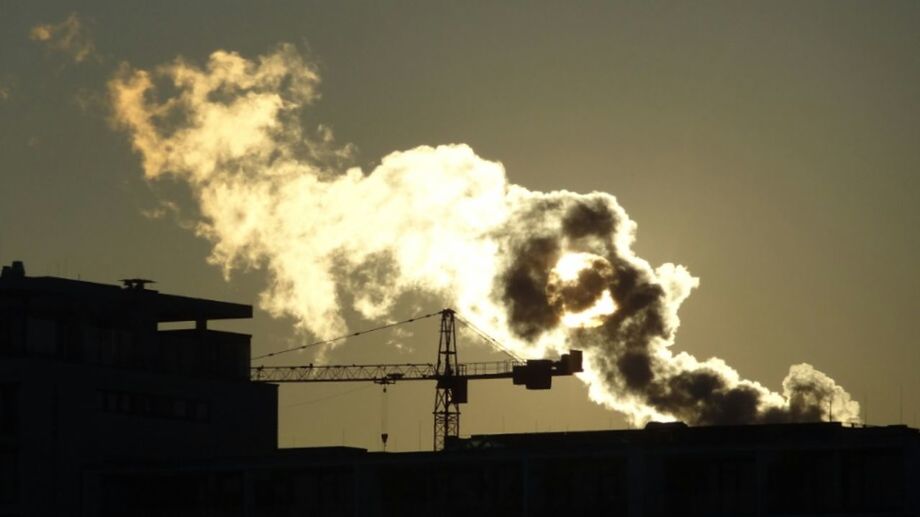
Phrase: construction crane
(451, 376)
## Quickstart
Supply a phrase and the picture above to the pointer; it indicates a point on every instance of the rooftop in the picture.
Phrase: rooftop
(133, 296)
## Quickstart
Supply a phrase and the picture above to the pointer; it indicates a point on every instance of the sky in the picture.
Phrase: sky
(770, 149)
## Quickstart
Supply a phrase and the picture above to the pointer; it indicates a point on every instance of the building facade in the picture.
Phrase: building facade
(664, 470)
(88, 377)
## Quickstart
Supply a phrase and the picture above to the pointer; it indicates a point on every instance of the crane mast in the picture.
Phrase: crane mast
(451, 388)
(451, 377)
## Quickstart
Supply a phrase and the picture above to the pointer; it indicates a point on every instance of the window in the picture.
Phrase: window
(803, 482)
(41, 336)
(9, 409)
(708, 485)
(202, 411)
(9, 477)
(180, 409)
(154, 406)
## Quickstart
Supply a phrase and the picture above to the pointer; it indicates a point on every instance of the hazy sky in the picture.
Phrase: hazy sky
(771, 148)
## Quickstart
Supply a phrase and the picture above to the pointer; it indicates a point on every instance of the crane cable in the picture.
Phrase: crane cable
(344, 337)
(384, 417)
(489, 339)
(481, 333)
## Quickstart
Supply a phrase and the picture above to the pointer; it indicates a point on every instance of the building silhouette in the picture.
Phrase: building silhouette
(105, 412)
(87, 379)
(670, 470)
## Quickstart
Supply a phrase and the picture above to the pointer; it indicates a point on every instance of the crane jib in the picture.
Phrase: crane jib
(451, 377)
(530, 373)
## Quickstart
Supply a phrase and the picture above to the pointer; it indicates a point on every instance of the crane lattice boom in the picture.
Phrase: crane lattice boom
(379, 372)
(450, 375)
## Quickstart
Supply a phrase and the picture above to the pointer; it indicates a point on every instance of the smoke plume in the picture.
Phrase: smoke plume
(541, 271)
(69, 37)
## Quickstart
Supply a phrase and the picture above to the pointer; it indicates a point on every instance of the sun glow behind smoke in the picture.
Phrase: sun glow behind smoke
(593, 316)
(525, 266)
(570, 272)
(571, 264)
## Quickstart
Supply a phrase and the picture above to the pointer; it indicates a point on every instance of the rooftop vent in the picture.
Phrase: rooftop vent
(136, 284)
(15, 270)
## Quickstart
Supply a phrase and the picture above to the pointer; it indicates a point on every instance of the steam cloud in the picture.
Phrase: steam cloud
(69, 37)
(436, 220)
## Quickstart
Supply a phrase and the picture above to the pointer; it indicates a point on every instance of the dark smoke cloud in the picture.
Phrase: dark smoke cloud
(531, 309)
(530, 312)
(589, 217)
(586, 290)
(626, 345)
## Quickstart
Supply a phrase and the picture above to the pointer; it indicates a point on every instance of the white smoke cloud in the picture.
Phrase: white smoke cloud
(435, 220)
(8, 87)
(70, 37)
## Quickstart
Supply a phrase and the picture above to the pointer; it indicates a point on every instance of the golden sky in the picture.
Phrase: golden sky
(771, 149)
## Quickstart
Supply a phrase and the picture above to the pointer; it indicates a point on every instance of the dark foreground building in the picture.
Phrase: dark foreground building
(103, 412)
(88, 378)
(664, 470)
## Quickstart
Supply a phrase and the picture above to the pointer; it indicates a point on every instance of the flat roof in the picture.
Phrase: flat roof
(46, 292)
(682, 435)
